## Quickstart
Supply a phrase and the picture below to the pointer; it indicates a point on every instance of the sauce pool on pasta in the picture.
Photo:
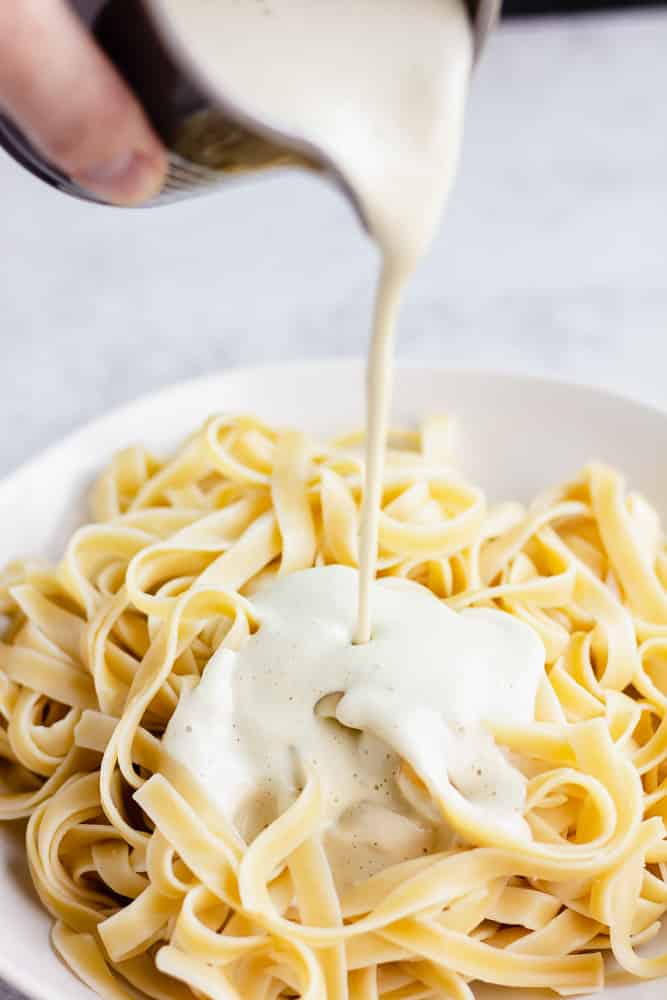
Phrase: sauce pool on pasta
(299, 695)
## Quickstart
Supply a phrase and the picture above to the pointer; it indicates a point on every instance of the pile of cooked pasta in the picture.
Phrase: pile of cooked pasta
(151, 888)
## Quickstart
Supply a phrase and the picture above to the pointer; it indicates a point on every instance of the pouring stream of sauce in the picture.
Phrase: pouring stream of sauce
(359, 677)
(378, 88)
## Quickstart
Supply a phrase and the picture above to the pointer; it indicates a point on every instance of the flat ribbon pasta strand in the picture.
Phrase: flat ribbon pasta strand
(291, 504)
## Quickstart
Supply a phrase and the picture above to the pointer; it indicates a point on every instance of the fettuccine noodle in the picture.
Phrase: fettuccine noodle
(153, 890)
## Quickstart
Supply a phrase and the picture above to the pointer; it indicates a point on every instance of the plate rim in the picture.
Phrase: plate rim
(355, 364)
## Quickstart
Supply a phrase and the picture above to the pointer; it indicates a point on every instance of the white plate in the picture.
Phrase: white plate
(517, 436)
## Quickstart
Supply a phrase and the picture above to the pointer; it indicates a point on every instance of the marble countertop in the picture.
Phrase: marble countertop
(552, 258)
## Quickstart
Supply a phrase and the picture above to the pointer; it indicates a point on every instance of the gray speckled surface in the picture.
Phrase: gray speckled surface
(552, 258)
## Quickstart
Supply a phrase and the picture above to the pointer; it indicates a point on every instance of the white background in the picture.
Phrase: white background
(552, 257)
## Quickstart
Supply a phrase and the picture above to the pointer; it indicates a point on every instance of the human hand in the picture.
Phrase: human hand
(72, 104)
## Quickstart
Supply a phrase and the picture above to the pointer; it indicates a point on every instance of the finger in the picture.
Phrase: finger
(73, 105)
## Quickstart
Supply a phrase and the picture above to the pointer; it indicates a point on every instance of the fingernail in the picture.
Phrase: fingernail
(129, 179)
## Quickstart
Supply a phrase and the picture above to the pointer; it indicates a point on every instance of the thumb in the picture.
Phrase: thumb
(73, 105)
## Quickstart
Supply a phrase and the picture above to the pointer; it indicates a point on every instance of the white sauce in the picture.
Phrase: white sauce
(420, 691)
(378, 87)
